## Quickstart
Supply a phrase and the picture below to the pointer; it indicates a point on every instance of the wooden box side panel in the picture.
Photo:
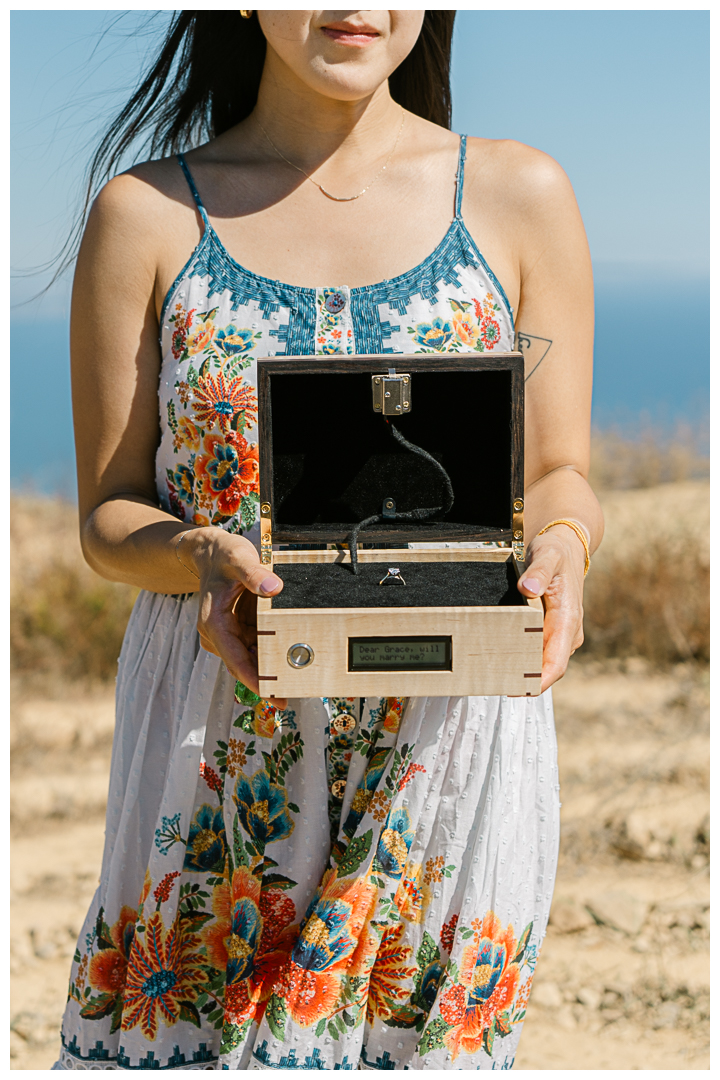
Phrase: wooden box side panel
(495, 651)
(394, 555)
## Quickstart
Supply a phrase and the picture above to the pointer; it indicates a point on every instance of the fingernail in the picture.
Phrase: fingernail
(531, 585)
(270, 584)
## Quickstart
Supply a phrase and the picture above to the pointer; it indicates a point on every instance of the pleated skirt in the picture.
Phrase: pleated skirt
(346, 884)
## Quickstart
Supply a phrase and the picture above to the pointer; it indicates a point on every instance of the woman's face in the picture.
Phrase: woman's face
(344, 55)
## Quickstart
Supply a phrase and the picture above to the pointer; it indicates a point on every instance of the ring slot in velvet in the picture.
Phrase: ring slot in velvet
(428, 584)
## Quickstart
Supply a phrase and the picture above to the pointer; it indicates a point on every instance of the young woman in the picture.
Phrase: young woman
(330, 884)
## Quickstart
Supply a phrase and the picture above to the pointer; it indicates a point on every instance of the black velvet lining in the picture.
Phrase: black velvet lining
(428, 584)
(335, 460)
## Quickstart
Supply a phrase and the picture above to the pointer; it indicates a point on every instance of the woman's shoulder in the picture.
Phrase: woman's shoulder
(144, 216)
(143, 192)
(522, 178)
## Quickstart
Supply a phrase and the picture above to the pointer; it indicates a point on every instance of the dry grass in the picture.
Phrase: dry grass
(66, 622)
(647, 593)
(654, 604)
(649, 457)
(70, 625)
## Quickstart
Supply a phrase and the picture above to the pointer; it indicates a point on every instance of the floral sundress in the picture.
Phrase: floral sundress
(347, 883)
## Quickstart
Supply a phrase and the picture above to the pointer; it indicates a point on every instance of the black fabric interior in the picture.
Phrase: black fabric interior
(335, 460)
(428, 584)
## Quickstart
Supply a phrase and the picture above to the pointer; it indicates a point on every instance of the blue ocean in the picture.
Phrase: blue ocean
(652, 365)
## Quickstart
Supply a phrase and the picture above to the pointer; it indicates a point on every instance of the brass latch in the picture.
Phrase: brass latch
(391, 393)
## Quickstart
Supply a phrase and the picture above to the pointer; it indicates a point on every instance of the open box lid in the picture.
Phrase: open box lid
(328, 458)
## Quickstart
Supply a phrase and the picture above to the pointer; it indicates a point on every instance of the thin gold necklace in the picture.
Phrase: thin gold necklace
(336, 198)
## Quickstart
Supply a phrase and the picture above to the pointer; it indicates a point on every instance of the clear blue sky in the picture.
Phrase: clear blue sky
(619, 98)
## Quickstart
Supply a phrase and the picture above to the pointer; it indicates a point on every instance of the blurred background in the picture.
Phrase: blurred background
(620, 99)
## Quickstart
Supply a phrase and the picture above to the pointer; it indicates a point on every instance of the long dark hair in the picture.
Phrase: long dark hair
(190, 94)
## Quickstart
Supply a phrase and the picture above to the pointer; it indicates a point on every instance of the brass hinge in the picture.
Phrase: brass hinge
(391, 393)
(265, 533)
(518, 537)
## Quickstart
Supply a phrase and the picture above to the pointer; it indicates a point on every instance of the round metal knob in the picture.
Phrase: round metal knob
(300, 655)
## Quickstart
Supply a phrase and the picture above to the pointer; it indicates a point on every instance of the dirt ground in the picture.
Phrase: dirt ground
(623, 979)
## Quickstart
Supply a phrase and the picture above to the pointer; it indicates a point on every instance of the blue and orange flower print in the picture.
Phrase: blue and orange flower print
(216, 479)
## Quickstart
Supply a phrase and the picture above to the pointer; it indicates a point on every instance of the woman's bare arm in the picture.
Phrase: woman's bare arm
(115, 370)
(555, 320)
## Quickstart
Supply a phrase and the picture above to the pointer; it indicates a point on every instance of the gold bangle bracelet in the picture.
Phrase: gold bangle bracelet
(182, 537)
(580, 533)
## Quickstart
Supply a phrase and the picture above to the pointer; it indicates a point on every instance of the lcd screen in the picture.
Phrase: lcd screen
(400, 654)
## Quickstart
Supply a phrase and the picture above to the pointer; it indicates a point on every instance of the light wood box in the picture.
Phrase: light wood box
(495, 650)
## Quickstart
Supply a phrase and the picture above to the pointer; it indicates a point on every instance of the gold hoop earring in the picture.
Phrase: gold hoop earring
(245, 14)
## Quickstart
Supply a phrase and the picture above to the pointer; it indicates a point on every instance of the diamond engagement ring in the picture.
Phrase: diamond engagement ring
(393, 577)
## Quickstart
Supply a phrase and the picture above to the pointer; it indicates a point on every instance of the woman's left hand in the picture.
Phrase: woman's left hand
(555, 566)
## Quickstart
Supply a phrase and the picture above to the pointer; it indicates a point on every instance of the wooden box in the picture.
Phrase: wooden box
(328, 460)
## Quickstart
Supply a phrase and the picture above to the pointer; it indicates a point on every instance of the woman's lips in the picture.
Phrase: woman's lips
(346, 36)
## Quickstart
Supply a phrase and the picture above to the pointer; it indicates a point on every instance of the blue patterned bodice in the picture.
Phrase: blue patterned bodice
(218, 317)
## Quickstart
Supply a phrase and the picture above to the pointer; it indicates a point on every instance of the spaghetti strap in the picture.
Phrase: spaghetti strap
(191, 184)
(460, 176)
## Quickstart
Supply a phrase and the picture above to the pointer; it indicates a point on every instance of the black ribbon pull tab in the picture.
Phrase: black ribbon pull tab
(421, 514)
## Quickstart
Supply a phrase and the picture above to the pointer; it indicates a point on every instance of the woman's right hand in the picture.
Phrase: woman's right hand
(231, 577)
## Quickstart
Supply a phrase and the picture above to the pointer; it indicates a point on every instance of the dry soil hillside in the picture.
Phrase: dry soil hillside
(623, 981)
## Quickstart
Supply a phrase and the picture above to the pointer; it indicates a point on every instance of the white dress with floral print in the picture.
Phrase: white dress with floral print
(348, 883)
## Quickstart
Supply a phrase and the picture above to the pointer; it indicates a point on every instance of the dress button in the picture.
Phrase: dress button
(335, 302)
(344, 722)
(338, 788)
